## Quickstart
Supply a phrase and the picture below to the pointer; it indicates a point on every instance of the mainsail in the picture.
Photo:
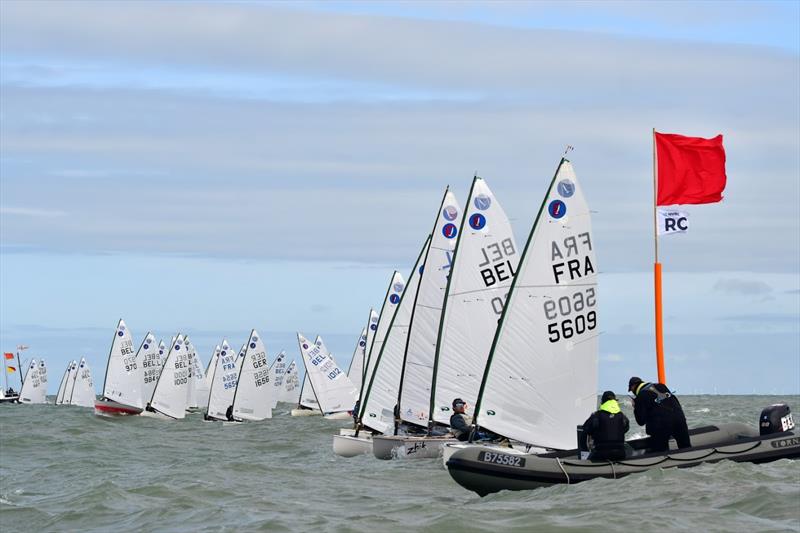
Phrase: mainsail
(372, 328)
(223, 383)
(356, 370)
(70, 384)
(277, 372)
(415, 382)
(123, 381)
(170, 394)
(82, 393)
(334, 391)
(63, 383)
(253, 397)
(541, 377)
(484, 263)
(149, 358)
(291, 385)
(376, 410)
(34, 388)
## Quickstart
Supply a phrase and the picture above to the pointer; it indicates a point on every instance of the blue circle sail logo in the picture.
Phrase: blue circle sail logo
(477, 221)
(449, 231)
(398, 287)
(450, 213)
(557, 209)
(394, 298)
(482, 202)
(566, 188)
(252, 345)
(145, 346)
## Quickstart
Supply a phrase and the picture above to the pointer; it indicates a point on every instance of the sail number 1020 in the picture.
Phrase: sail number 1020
(562, 310)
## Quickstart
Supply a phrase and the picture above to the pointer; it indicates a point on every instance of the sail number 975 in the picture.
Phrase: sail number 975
(562, 310)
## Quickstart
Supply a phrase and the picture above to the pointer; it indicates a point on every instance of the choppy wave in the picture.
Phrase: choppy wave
(62, 468)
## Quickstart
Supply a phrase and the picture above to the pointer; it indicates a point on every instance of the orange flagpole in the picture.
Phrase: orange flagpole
(662, 376)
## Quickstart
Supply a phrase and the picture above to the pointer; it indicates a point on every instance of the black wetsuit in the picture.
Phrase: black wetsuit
(607, 430)
(656, 406)
(460, 425)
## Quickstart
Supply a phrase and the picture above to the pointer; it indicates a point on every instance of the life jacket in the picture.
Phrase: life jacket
(664, 400)
(611, 430)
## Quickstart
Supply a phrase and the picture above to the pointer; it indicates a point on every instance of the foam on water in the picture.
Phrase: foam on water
(63, 468)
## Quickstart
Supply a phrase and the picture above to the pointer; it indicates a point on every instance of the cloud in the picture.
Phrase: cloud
(31, 212)
(612, 358)
(742, 286)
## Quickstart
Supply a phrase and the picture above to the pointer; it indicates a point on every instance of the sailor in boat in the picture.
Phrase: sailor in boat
(655, 406)
(607, 427)
(460, 422)
(355, 413)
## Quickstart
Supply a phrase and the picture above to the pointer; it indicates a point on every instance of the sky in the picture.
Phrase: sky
(213, 167)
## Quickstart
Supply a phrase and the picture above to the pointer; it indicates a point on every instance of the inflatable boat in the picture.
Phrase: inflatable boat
(488, 469)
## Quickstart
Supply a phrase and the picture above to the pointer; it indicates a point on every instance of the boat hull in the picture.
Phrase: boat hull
(408, 447)
(484, 469)
(112, 408)
(341, 415)
(9, 399)
(306, 412)
(351, 446)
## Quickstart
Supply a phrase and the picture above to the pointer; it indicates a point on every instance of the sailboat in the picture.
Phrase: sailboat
(81, 386)
(62, 386)
(335, 393)
(149, 357)
(290, 393)
(34, 386)
(307, 404)
(483, 266)
(377, 404)
(277, 371)
(224, 376)
(198, 390)
(122, 387)
(209, 374)
(171, 390)
(252, 399)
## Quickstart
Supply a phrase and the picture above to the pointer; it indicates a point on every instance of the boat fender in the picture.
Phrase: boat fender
(776, 418)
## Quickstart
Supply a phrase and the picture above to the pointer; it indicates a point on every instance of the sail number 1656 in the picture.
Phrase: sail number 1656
(579, 304)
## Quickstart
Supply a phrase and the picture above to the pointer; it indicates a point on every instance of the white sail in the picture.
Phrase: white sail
(541, 379)
(124, 376)
(62, 384)
(396, 287)
(162, 352)
(372, 328)
(149, 358)
(356, 370)
(82, 386)
(290, 393)
(170, 394)
(484, 264)
(307, 397)
(199, 379)
(34, 388)
(253, 397)
(377, 405)
(277, 373)
(191, 392)
(223, 382)
(415, 394)
(333, 389)
(70, 386)
(212, 364)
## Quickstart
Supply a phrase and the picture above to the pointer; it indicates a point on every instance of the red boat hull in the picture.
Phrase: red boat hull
(107, 407)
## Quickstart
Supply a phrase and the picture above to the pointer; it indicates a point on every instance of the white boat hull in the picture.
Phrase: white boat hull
(350, 446)
(516, 448)
(156, 415)
(306, 412)
(407, 447)
(342, 415)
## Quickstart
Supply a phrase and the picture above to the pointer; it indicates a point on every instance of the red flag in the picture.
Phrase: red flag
(9, 355)
(691, 170)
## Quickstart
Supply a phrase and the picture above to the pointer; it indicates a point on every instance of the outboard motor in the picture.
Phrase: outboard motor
(775, 419)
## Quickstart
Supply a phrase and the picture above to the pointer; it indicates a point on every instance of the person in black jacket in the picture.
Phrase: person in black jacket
(656, 406)
(607, 427)
(459, 421)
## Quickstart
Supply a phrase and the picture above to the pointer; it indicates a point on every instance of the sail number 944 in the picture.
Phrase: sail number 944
(573, 315)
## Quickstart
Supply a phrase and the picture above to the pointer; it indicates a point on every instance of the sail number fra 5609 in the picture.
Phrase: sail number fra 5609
(579, 303)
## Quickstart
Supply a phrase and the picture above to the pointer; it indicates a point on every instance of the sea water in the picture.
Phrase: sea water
(63, 468)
